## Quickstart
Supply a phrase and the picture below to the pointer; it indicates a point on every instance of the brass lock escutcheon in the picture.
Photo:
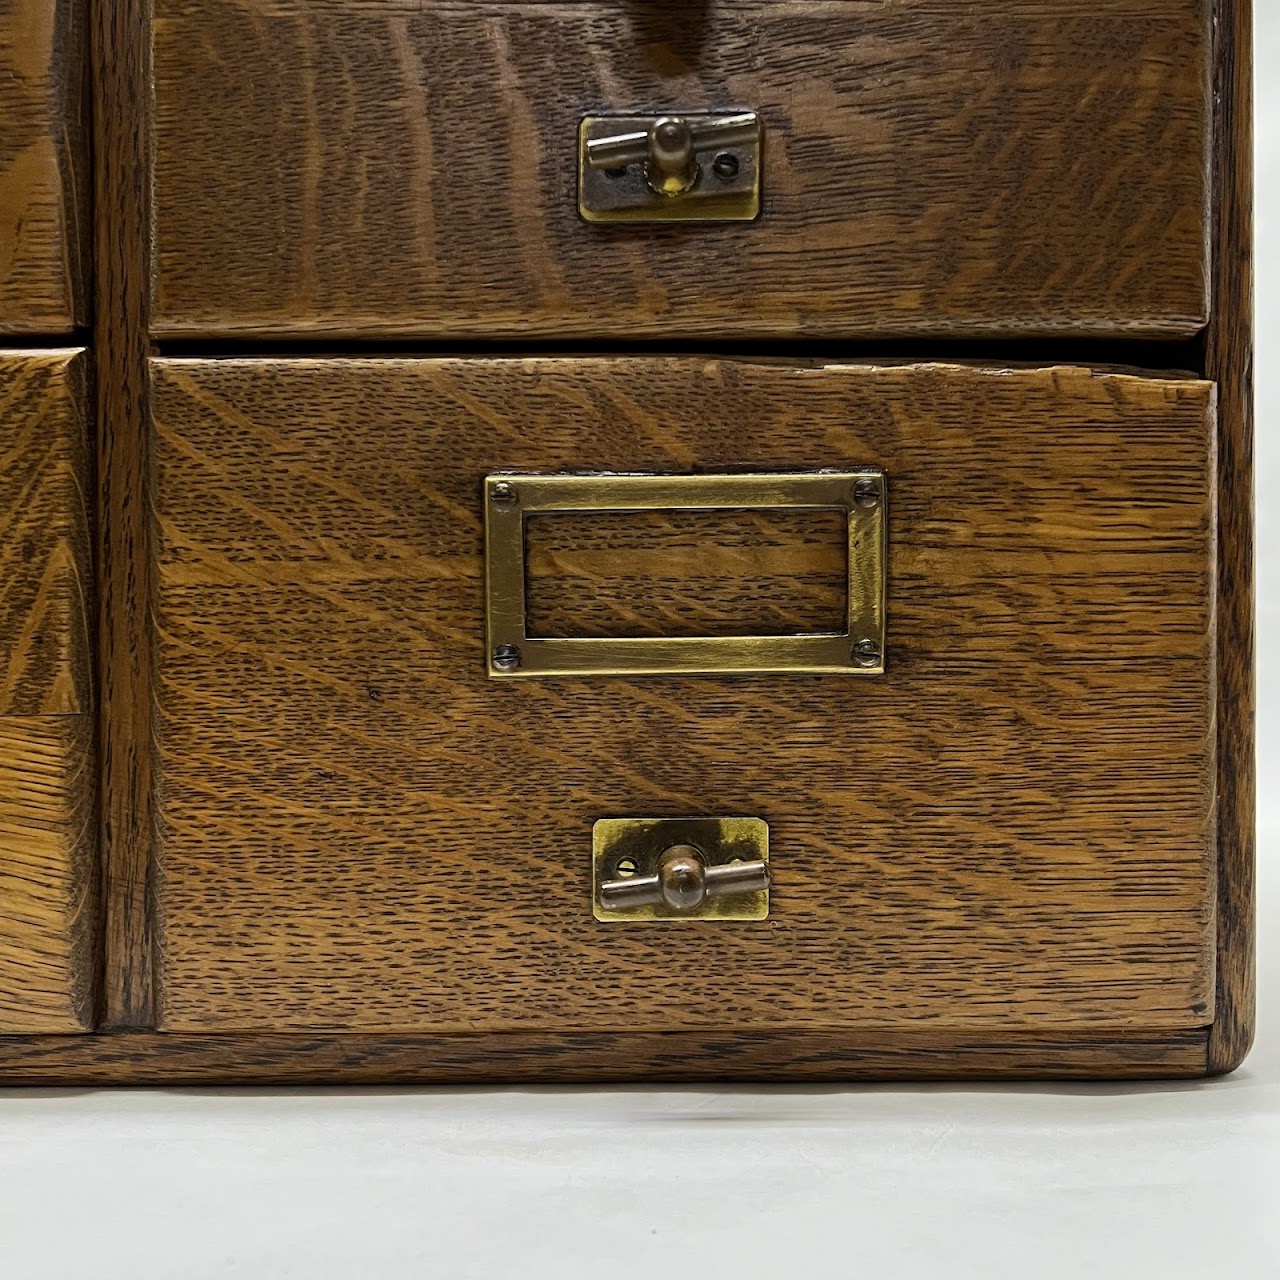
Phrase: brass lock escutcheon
(669, 167)
(681, 869)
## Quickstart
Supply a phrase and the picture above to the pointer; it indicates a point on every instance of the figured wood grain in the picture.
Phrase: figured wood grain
(121, 254)
(1229, 361)
(46, 561)
(566, 1058)
(47, 782)
(44, 166)
(47, 873)
(1012, 828)
(930, 169)
(686, 573)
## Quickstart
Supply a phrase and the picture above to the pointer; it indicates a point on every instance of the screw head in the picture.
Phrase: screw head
(506, 657)
(866, 494)
(503, 494)
(866, 653)
(725, 166)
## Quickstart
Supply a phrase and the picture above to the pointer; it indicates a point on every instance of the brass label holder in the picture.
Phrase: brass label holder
(670, 168)
(646, 869)
(513, 653)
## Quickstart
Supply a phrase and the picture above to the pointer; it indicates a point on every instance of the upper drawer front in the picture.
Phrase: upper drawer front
(44, 180)
(358, 827)
(929, 169)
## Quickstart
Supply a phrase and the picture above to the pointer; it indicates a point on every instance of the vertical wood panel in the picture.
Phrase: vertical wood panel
(1229, 361)
(121, 124)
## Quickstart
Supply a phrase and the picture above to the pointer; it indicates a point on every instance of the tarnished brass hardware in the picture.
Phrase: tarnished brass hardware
(681, 869)
(856, 650)
(684, 882)
(651, 168)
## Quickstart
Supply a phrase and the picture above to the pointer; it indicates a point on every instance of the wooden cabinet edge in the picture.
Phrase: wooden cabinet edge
(138, 1057)
(1229, 362)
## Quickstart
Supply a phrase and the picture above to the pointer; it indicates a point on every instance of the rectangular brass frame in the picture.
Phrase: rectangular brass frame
(627, 197)
(644, 840)
(514, 654)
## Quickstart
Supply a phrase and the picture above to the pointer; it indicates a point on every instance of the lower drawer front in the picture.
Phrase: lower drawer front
(361, 828)
(48, 847)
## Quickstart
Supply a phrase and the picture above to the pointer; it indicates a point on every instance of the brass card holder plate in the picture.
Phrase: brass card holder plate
(710, 868)
(513, 653)
(670, 168)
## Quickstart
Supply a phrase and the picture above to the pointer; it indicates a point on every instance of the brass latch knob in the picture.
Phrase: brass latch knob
(670, 147)
(664, 167)
(684, 882)
(686, 869)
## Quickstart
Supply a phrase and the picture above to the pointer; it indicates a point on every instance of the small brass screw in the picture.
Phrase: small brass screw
(725, 166)
(866, 493)
(866, 653)
(503, 494)
(506, 657)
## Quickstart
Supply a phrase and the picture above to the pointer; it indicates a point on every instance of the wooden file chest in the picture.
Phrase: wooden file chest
(630, 541)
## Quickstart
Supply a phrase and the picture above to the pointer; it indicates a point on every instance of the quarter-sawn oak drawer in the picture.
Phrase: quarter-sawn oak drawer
(1011, 827)
(930, 170)
(48, 843)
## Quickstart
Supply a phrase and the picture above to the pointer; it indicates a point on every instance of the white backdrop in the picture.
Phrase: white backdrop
(1170, 1181)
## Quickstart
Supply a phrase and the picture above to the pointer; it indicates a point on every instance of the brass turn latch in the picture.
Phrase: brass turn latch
(681, 869)
(669, 167)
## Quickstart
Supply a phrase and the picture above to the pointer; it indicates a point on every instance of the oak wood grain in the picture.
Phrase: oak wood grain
(1012, 828)
(46, 560)
(676, 1057)
(47, 873)
(44, 166)
(122, 80)
(401, 167)
(687, 573)
(1229, 361)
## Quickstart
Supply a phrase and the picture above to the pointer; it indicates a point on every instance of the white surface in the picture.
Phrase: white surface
(1164, 1181)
